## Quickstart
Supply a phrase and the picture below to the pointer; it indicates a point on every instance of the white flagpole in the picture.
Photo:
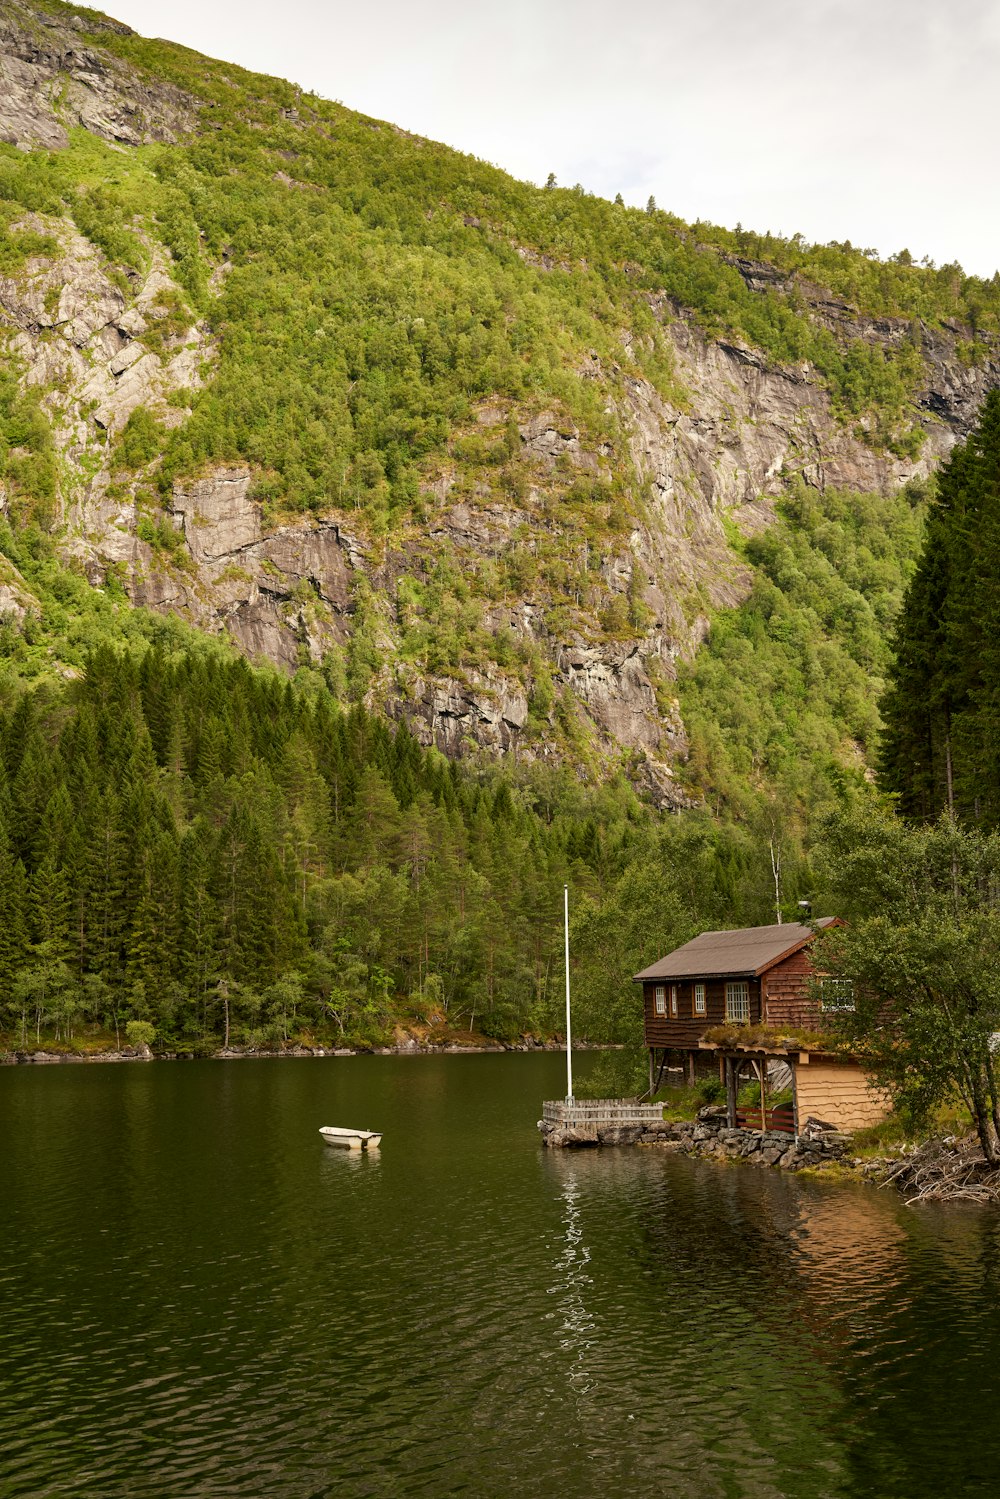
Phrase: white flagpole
(569, 1040)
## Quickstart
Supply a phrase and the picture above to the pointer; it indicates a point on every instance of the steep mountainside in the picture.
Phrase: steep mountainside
(477, 451)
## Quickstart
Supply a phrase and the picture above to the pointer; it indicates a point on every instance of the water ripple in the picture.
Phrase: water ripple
(200, 1299)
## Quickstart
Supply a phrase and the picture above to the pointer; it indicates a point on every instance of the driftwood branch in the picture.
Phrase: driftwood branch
(947, 1170)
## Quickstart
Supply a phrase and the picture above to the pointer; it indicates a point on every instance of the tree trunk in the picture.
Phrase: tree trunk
(981, 1113)
(991, 1083)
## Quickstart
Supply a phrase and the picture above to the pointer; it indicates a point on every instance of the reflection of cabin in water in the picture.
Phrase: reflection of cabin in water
(761, 977)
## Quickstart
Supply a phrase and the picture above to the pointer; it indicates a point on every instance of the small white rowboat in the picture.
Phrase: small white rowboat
(353, 1139)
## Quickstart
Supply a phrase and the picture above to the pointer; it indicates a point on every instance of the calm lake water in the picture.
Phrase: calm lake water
(199, 1298)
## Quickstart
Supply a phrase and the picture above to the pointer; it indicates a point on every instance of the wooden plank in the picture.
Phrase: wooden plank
(778, 1120)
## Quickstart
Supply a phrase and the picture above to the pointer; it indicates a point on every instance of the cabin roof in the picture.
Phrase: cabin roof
(745, 951)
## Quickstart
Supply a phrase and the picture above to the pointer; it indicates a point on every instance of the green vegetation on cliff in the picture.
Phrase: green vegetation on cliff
(184, 835)
(368, 287)
(781, 701)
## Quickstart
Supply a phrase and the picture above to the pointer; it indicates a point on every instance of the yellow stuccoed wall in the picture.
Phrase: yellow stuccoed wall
(838, 1093)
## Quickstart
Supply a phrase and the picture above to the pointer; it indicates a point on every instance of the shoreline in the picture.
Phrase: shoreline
(42, 1057)
(937, 1169)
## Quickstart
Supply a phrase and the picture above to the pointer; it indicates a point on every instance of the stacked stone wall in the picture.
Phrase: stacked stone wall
(708, 1135)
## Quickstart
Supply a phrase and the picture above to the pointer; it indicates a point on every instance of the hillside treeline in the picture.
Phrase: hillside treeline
(192, 843)
(179, 837)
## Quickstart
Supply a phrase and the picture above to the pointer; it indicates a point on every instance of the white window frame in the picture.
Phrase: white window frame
(836, 996)
(738, 1002)
(674, 1006)
(698, 1006)
(660, 999)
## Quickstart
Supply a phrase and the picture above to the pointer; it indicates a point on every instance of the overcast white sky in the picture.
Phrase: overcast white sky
(876, 121)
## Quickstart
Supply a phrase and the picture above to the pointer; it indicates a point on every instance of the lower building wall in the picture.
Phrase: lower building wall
(838, 1093)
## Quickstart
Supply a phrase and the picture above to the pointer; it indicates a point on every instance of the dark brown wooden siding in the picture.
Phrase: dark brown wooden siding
(688, 1028)
(787, 1000)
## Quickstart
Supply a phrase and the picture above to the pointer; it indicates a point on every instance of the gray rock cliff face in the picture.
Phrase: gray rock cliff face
(50, 81)
(288, 593)
(291, 591)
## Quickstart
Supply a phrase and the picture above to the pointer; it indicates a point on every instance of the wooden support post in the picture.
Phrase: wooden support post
(690, 1069)
(652, 1069)
(795, 1095)
(763, 1095)
(730, 1093)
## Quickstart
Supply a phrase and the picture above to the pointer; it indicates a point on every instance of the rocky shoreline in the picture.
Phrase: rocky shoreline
(410, 1047)
(709, 1135)
(951, 1168)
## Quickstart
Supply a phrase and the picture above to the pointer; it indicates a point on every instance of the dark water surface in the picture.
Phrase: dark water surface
(198, 1298)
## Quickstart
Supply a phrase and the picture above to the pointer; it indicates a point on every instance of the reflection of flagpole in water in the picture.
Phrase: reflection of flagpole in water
(569, 1039)
(577, 1321)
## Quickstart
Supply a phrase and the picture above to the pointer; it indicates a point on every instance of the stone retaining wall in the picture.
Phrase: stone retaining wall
(708, 1135)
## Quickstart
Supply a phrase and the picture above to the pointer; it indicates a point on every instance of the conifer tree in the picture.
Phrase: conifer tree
(14, 920)
(940, 748)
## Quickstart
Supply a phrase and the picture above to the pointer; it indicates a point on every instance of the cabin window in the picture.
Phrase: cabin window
(738, 1001)
(660, 1000)
(699, 999)
(836, 994)
(673, 1000)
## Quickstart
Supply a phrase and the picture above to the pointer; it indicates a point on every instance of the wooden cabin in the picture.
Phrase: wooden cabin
(758, 975)
(755, 976)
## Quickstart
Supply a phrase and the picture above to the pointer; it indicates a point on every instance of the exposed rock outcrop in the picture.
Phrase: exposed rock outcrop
(86, 342)
(50, 80)
(16, 598)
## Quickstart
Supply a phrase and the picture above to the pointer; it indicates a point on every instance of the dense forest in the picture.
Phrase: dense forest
(190, 843)
(212, 853)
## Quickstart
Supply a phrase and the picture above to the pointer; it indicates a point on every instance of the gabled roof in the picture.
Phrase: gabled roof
(744, 952)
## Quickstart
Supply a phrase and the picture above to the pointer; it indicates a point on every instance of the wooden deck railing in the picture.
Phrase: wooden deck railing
(781, 1119)
(594, 1111)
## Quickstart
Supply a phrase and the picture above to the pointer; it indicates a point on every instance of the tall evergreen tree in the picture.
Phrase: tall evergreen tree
(941, 743)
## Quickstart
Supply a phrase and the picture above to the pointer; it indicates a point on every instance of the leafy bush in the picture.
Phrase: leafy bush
(140, 1033)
